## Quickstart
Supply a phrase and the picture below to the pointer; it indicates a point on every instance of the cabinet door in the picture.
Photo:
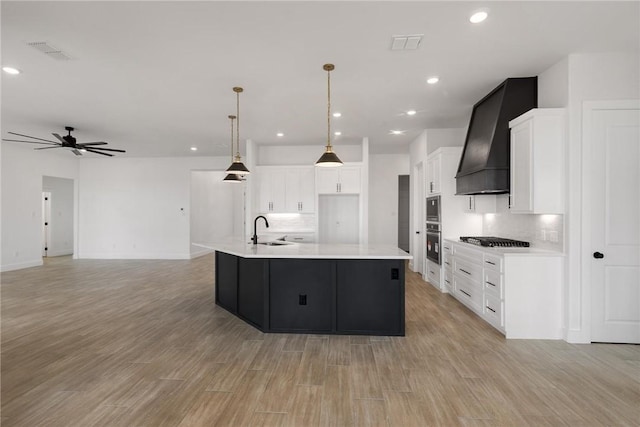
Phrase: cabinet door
(227, 281)
(433, 175)
(251, 289)
(370, 297)
(301, 295)
(300, 192)
(349, 180)
(327, 180)
(469, 203)
(521, 197)
(271, 187)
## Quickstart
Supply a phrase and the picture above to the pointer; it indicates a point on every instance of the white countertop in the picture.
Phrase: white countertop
(508, 251)
(306, 250)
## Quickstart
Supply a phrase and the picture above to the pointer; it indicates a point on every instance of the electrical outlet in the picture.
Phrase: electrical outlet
(553, 236)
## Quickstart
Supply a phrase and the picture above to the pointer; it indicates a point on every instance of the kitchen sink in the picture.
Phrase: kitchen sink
(274, 243)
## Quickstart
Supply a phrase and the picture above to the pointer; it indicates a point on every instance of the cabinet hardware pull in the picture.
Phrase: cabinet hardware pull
(489, 283)
(469, 295)
(489, 262)
(464, 271)
(432, 272)
(447, 262)
(447, 281)
(491, 309)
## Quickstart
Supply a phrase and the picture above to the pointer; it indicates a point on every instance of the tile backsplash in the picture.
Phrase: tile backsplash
(541, 231)
(288, 223)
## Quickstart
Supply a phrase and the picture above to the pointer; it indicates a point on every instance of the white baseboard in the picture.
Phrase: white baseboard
(136, 255)
(21, 265)
(198, 252)
(59, 253)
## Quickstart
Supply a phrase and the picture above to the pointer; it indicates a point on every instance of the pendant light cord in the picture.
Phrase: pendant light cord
(238, 124)
(329, 109)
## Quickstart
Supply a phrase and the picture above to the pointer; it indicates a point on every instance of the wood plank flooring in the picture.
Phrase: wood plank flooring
(141, 343)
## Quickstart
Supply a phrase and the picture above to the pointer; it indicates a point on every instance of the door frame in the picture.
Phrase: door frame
(588, 107)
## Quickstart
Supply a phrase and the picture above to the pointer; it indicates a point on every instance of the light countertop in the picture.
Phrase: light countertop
(306, 250)
(515, 251)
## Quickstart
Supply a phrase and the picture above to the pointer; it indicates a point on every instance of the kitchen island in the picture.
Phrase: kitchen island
(312, 288)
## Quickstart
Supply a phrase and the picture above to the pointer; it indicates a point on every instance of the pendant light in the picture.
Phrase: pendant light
(237, 167)
(329, 158)
(232, 177)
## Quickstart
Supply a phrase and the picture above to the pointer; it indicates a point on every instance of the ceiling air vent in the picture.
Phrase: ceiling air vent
(410, 42)
(50, 51)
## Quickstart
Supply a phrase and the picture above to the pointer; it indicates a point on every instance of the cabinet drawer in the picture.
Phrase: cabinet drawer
(468, 293)
(447, 262)
(447, 248)
(468, 253)
(493, 283)
(448, 280)
(468, 270)
(492, 310)
(493, 262)
(433, 273)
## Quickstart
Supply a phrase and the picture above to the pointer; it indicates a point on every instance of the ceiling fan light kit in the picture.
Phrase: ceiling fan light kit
(67, 141)
(329, 158)
(237, 167)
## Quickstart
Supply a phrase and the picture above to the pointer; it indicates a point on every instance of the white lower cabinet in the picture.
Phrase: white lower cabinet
(433, 273)
(517, 292)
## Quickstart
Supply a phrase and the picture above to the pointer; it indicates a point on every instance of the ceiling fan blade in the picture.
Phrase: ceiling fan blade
(94, 143)
(76, 152)
(33, 137)
(107, 149)
(98, 152)
(32, 142)
(47, 148)
(59, 137)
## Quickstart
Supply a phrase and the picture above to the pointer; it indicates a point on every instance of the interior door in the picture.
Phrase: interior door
(614, 142)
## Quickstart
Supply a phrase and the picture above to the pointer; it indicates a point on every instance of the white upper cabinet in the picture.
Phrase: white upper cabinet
(343, 179)
(300, 190)
(537, 160)
(481, 203)
(286, 189)
(434, 167)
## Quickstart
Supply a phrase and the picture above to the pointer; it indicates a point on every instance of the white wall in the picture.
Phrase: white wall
(137, 207)
(279, 155)
(22, 172)
(591, 77)
(383, 196)
(214, 212)
(61, 218)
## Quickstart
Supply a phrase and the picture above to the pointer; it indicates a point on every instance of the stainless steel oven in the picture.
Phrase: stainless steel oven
(433, 242)
(433, 209)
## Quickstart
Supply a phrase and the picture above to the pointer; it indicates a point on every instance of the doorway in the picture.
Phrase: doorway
(57, 216)
(611, 248)
(418, 218)
(403, 212)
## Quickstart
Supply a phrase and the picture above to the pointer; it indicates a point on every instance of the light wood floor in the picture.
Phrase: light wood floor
(141, 343)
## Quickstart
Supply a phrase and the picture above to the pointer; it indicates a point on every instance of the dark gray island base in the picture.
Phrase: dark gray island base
(323, 296)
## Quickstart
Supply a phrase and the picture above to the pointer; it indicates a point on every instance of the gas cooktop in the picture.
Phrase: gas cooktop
(494, 241)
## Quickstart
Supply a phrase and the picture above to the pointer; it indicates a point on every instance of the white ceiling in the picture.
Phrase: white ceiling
(156, 78)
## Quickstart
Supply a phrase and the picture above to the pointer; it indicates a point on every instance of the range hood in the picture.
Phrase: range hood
(484, 165)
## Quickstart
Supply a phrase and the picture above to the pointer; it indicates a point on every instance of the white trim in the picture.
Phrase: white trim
(21, 265)
(588, 107)
(133, 255)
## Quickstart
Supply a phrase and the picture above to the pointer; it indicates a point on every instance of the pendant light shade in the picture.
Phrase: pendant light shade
(232, 177)
(237, 167)
(329, 158)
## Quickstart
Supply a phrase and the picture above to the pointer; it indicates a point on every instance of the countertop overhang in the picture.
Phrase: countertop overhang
(306, 250)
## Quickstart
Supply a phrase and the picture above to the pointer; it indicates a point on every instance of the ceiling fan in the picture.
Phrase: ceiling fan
(68, 141)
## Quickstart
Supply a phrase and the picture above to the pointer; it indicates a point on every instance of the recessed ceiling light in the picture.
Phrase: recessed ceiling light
(397, 132)
(10, 70)
(411, 113)
(338, 133)
(337, 114)
(433, 80)
(478, 17)
(279, 134)
(194, 148)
